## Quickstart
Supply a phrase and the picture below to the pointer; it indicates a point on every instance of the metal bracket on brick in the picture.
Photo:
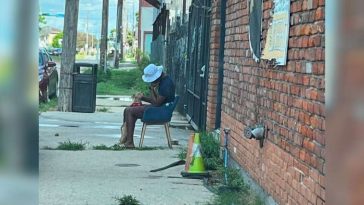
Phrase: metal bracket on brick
(257, 132)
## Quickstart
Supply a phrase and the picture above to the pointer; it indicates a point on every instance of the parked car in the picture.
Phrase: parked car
(55, 51)
(47, 76)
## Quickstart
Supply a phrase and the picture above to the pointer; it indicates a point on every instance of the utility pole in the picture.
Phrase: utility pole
(86, 47)
(119, 34)
(68, 55)
(103, 43)
(92, 41)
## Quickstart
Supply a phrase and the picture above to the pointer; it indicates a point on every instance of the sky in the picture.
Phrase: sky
(90, 12)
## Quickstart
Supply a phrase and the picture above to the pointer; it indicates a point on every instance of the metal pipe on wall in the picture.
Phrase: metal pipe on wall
(221, 64)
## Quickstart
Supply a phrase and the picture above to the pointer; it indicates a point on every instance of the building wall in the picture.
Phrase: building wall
(147, 15)
(147, 19)
(289, 100)
(213, 65)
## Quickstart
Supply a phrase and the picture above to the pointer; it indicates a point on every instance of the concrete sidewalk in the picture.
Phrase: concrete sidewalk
(95, 177)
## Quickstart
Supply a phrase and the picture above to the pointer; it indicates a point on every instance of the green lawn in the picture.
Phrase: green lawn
(105, 88)
(51, 105)
(120, 82)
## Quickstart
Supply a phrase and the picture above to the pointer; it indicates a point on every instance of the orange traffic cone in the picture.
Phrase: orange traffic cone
(194, 166)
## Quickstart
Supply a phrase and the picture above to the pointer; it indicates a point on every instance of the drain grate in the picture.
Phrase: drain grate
(127, 165)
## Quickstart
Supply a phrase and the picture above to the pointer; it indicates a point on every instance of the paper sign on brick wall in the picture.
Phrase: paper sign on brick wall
(278, 32)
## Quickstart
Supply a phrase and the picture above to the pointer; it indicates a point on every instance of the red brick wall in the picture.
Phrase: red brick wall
(213, 65)
(288, 99)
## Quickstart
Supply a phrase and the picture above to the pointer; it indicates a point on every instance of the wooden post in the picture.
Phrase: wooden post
(69, 43)
(119, 34)
(103, 43)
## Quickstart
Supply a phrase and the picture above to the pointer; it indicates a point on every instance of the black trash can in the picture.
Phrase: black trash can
(84, 87)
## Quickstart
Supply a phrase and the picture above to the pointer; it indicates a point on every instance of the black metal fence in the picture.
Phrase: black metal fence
(176, 60)
(158, 47)
(198, 61)
(185, 54)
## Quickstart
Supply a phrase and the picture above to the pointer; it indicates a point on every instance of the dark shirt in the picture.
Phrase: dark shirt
(167, 89)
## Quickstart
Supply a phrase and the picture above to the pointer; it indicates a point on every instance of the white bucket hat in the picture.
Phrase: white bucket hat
(152, 73)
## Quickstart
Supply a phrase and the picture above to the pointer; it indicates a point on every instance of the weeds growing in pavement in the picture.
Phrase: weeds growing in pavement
(182, 154)
(127, 200)
(118, 147)
(51, 105)
(68, 145)
(103, 109)
(234, 190)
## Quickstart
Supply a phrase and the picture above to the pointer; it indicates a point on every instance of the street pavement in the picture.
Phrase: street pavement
(96, 177)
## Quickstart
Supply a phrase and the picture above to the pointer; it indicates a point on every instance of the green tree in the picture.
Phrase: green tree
(130, 38)
(55, 42)
(112, 35)
(137, 18)
(41, 21)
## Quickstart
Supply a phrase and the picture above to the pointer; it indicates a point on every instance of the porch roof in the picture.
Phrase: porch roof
(154, 3)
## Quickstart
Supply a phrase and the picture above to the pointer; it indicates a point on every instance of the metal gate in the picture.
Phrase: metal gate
(176, 59)
(197, 62)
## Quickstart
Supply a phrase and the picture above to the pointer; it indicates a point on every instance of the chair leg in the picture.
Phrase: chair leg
(168, 134)
(142, 135)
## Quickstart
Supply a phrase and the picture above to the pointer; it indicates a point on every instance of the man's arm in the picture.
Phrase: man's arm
(155, 99)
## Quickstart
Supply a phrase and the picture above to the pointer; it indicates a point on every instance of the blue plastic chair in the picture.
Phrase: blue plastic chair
(159, 116)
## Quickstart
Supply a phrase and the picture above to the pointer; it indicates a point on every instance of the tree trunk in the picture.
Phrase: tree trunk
(119, 34)
(103, 43)
(68, 55)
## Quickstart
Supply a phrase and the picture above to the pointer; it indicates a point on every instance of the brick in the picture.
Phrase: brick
(306, 30)
(320, 14)
(312, 4)
(319, 201)
(314, 41)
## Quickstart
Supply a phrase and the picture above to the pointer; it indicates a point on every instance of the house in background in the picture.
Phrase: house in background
(147, 14)
(46, 36)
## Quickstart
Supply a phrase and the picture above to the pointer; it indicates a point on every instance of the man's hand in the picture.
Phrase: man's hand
(154, 85)
(139, 96)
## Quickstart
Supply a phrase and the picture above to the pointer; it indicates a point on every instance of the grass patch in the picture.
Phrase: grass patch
(51, 105)
(80, 56)
(233, 190)
(129, 60)
(118, 147)
(103, 109)
(105, 88)
(120, 82)
(68, 145)
(211, 151)
(227, 197)
(123, 82)
(127, 200)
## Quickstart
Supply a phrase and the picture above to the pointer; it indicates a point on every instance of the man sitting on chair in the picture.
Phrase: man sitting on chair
(162, 91)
